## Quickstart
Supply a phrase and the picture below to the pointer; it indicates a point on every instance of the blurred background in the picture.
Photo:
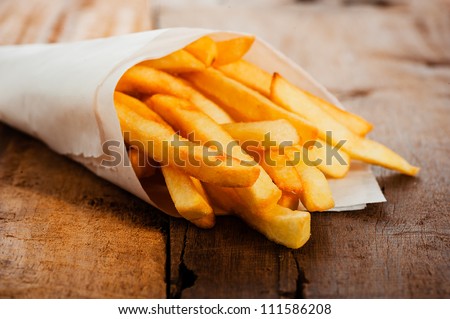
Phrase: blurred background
(360, 40)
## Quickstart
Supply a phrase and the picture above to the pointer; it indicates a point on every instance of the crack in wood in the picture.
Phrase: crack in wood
(302, 281)
(168, 260)
(185, 278)
(384, 4)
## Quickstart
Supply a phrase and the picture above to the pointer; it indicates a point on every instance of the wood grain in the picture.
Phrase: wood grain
(65, 233)
(42, 21)
(389, 63)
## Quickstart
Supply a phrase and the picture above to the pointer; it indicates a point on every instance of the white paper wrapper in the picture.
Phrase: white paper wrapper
(62, 94)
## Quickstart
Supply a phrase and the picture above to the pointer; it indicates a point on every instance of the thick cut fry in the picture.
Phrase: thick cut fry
(160, 143)
(322, 156)
(223, 197)
(316, 194)
(205, 222)
(204, 49)
(266, 134)
(246, 105)
(280, 224)
(140, 163)
(287, 95)
(283, 175)
(177, 62)
(289, 200)
(187, 200)
(353, 122)
(260, 81)
(232, 50)
(151, 81)
(140, 108)
(186, 118)
(249, 75)
(200, 189)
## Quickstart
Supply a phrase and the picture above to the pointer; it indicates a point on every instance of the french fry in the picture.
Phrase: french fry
(229, 51)
(353, 122)
(266, 134)
(199, 188)
(223, 197)
(248, 74)
(289, 200)
(280, 224)
(140, 108)
(259, 80)
(186, 118)
(316, 193)
(331, 166)
(204, 49)
(177, 62)
(186, 198)
(140, 163)
(158, 142)
(283, 175)
(216, 210)
(287, 95)
(151, 81)
(246, 105)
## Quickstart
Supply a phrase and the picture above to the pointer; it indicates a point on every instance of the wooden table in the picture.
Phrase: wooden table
(66, 233)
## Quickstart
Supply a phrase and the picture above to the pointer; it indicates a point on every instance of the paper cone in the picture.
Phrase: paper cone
(62, 94)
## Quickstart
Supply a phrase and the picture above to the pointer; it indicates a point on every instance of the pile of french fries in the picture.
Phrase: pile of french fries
(230, 138)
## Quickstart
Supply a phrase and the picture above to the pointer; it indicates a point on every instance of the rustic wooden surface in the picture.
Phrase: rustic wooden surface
(67, 233)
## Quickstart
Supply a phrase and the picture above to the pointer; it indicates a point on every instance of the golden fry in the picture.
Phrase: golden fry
(280, 224)
(223, 197)
(204, 49)
(248, 74)
(331, 166)
(277, 133)
(229, 51)
(283, 175)
(151, 81)
(186, 198)
(140, 163)
(259, 80)
(140, 108)
(366, 150)
(353, 122)
(289, 200)
(316, 193)
(246, 105)
(177, 62)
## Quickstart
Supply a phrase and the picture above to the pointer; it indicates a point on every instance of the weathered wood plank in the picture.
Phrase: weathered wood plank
(63, 231)
(67, 233)
(230, 260)
(41, 21)
(389, 63)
